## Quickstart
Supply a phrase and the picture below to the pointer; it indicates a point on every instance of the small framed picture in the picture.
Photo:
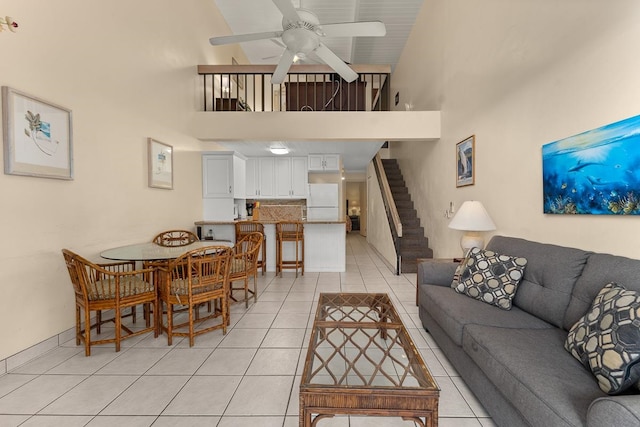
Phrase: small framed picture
(37, 136)
(465, 162)
(160, 165)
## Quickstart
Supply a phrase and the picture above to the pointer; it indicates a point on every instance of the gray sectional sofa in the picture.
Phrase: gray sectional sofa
(514, 360)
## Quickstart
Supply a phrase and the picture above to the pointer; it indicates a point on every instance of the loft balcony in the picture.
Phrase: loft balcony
(299, 108)
(306, 88)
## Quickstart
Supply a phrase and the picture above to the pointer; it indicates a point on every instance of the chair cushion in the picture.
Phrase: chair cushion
(181, 287)
(129, 286)
(490, 277)
(607, 339)
(238, 265)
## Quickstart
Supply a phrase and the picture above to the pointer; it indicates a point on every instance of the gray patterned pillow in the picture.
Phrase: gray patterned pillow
(460, 269)
(491, 277)
(607, 339)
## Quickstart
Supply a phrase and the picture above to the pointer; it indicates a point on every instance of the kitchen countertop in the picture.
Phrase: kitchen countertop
(263, 222)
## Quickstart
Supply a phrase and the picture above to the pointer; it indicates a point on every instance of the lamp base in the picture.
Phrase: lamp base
(471, 239)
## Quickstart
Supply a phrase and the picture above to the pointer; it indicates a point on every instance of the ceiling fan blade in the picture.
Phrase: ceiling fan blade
(283, 67)
(279, 43)
(216, 41)
(287, 10)
(355, 29)
(333, 61)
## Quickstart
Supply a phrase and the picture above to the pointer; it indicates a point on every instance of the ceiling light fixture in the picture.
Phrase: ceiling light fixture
(279, 150)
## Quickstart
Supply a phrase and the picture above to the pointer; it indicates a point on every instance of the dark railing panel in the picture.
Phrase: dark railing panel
(306, 88)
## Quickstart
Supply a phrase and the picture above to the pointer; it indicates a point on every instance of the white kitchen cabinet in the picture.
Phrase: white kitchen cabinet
(223, 175)
(253, 172)
(260, 177)
(299, 177)
(291, 177)
(324, 162)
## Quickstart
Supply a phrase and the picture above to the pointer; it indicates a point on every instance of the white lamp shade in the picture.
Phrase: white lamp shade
(472, 216)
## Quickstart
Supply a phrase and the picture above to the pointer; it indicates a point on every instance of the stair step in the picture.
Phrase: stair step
(411, 223)
(401, 197)
(404, 204)
(412, 231)
(399, 190)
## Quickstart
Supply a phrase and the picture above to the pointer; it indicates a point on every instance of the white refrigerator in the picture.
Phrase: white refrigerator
(322, 203)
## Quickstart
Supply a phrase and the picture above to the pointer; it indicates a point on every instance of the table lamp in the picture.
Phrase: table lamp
(472, 218)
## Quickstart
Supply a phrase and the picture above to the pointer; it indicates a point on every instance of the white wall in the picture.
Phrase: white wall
(518, 75)
(127, 70)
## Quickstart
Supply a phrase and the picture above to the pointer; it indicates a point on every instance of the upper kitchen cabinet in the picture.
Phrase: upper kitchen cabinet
(324, 162)
(223, 175)
(291, 177)
(260, 177)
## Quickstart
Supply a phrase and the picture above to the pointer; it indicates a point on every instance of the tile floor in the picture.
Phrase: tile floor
(250, 376)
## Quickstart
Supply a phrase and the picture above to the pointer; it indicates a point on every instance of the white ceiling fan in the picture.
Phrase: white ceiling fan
(301, 33)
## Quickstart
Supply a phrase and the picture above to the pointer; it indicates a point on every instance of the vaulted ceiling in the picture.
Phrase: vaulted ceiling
(251, 16)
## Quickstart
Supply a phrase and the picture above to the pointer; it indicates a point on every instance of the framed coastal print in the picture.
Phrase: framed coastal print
(160, 164)
(465, 162)
(37, 136)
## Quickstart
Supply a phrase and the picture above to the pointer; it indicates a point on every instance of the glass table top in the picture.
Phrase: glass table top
(358, 340)
(150, 251)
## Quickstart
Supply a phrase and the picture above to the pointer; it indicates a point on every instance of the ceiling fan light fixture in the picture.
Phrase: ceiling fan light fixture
(279, 150)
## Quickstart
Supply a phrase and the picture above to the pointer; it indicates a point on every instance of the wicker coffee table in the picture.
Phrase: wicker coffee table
(361, 361)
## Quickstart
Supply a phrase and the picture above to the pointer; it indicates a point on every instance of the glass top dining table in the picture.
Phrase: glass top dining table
(150, 251)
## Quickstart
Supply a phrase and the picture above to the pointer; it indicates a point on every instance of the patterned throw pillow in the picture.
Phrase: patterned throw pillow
(607, 339)
(460, 269)
(490, 277)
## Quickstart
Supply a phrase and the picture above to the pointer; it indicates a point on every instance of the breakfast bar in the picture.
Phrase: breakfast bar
(324, 242)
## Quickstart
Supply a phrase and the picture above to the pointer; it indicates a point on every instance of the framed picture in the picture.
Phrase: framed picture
(594, 172)
(37, 136)
(465, 162)
(160, 165)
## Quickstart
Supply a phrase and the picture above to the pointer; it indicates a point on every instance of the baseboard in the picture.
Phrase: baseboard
(36, 350)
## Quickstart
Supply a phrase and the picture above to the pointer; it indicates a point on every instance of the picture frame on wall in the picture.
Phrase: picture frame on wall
(160, 164)
(37, 136)
(465, 162)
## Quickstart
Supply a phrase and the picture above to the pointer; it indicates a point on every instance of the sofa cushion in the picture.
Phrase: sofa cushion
(549, 278)
(489, 277)
(534, 372)
(454, 311)
(607, 339)
(600, 270)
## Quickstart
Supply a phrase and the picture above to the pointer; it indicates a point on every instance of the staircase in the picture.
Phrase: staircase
(413, 244)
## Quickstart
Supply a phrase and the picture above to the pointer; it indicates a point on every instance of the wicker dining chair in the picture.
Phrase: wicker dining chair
(194, 278)
(113, 286)
(175, 238)
(244, 264)
(246, 227)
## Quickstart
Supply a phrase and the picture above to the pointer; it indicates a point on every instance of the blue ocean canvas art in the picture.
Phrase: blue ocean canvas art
(596, 172)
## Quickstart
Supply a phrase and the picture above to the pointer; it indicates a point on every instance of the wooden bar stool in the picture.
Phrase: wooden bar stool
(290, 231)
(244, 228)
